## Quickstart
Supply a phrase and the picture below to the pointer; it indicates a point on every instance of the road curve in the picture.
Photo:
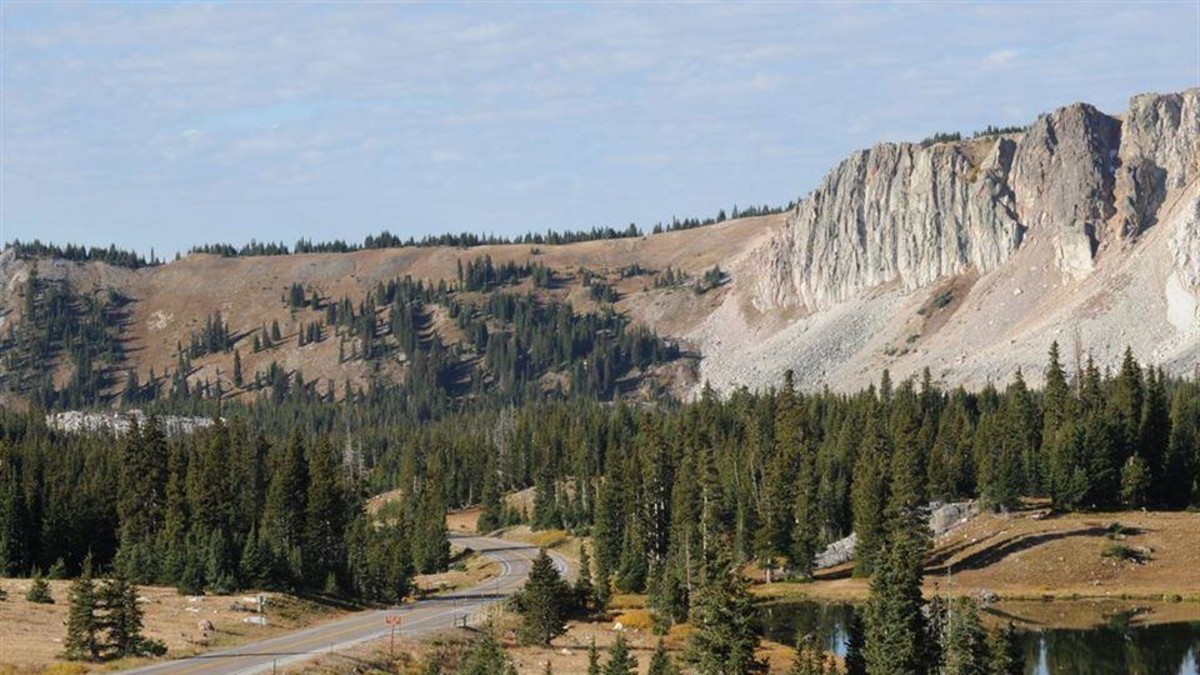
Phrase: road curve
(424, 616)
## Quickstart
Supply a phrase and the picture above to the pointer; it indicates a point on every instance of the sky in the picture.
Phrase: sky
(161, 125)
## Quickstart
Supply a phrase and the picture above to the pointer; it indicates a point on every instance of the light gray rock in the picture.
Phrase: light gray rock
(78, 422)
(1160, 155)
(894, 213)
(942, 519)
(906, 214)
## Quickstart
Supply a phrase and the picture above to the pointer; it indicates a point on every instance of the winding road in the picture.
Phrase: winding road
(424, 616)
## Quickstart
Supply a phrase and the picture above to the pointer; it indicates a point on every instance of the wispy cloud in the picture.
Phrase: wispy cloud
(239, 120)
(1000, 58)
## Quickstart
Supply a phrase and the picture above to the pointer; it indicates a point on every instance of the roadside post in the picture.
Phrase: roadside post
(392, 620)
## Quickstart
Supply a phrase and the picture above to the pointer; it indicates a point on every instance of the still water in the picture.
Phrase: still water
(1117, 646)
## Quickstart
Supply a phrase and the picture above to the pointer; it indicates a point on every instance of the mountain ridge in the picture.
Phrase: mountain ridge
(967, 257)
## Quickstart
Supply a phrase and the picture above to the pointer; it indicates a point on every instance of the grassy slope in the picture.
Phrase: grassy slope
(1035, 555)
(172, 300)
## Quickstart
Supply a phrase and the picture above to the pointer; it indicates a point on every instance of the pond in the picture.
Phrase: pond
(1117, 642)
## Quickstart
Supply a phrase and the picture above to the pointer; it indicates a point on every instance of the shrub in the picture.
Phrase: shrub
(1123, 552)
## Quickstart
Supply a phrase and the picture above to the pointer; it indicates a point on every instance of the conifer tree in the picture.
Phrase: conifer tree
(1183, 450)
(543, 602)
(964, 642)
(1155, 428)
(856, 640)
(896, 633)
(491, 518)
(724, 639)
(283, 510)
(487, 658)
(122, 620)
(326, 514)
(237, 369)
(1136, 482)
(620, 661)
(83, 641)
(593, 659)
(661, 663)
(869, 495)
(39, 589)
(1005, 656)
(584, 591)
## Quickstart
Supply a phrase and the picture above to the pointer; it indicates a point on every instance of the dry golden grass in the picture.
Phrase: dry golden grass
(1036, 555)
(31, 635)
(173, 300)
(471, 571)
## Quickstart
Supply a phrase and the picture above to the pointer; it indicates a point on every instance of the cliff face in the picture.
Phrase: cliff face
(895, 212)
(908, 214)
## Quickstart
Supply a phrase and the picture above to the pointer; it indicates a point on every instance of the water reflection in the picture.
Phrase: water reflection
(1121, 647)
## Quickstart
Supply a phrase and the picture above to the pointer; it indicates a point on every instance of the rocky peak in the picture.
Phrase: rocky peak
(907, 214)
(1160, 155)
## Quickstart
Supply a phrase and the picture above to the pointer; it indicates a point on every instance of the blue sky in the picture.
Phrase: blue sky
(164, 125)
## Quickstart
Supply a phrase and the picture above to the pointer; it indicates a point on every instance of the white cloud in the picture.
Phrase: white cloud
(374, 106)
(1000, 58)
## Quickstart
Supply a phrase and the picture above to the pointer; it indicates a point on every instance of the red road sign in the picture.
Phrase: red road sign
(392, 619)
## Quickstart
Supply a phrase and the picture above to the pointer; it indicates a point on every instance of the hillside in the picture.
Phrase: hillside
(161, 308)
(967, 257)
(1036, 554)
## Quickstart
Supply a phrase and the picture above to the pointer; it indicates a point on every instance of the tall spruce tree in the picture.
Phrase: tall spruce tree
(869, 495)
(620, 661)
(543, 602)
(964, 642)
(723, 639)
(83, 641)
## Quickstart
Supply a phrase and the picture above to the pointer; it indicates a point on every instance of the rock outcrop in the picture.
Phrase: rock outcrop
(1160, 155)
(77, 422)
(895, 213)
(909, 214)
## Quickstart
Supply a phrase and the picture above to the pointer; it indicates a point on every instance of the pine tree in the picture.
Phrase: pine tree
(542, 602)
(1183, 450)
(326, 515)
(1005, 656)
(856, 641)
(811, 660)
(1136, 482)
(661, 663)
(620, 662)
(237, 369)
(584, 591)
(593, 659)
(964, 642)
(283, 511)
(869, 495)
(39, 589)
(487, 658)
(490, 498)
(83, 627)
(122, 620)
(896, 634)
(723, 614)
(1154, 432)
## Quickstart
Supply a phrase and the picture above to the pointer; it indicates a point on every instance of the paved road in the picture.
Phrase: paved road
(438, 613)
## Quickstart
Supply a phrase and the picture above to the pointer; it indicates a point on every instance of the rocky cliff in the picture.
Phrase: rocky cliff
(908, 214)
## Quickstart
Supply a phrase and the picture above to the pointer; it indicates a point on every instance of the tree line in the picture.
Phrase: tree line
(222, 509)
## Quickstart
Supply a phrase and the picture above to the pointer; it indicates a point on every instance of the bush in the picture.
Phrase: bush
(1123, 552)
